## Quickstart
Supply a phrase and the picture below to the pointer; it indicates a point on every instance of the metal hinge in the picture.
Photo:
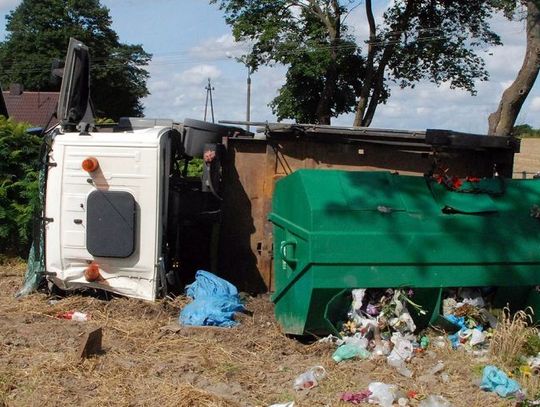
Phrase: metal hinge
(45, 219)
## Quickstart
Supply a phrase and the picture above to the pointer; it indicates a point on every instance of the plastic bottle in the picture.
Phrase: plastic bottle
(74, 316)
(349, 351)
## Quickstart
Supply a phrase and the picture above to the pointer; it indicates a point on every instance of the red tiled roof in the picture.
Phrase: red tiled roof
(35, 108)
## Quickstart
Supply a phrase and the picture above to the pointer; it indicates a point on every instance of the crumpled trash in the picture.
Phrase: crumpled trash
(289, 404)
(403, 320)
(435, 401)
(472, 296)
(477, 337)
(349, 351)
(459, 321)
(215, 301)
(357, 300)
(401, 353)
(382, 394)
(449, 304)
(494, 379)
(74, 316)
(330, 339)
(355, 397)
(403, 402)
(533, 365)
(310, 378)
(429, 375)
(383, 348)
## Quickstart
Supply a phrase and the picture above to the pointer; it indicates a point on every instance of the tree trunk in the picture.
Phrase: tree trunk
(370, 70)
(502, 121)
(324, 107)
(374, 80)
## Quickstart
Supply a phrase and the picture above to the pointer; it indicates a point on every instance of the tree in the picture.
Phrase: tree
(19, 161)
(418, 40)
(38, 32)
(322, 79)
(502, 120)
(425, 40)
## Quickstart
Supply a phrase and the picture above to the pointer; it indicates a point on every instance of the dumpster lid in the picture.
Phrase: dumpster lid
(428, 139)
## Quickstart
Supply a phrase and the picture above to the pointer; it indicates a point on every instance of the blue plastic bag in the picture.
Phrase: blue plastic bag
(494, 379)
(207, 284)
(215, 301)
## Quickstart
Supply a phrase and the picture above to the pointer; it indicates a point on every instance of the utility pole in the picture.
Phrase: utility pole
(209, 88)
(248, 101)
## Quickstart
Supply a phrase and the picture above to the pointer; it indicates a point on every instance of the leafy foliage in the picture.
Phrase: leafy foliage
(195, 167)
(330, 72)
(19, 162)
(525, 130)
(311, 64)
(38, 33)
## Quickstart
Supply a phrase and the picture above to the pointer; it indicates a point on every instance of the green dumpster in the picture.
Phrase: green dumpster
(337, 230)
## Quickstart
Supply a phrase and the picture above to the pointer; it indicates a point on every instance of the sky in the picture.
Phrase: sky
(190, 43)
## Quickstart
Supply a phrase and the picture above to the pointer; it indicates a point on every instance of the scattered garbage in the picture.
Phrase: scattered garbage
(74, 316)
(310, 378)
(465, 309)
(382, 394)
(435, 401)
(401, 353)
(289, 404)
(356, 397)
(494, 379)
(351, 348)
(215, 301)
(379, 324)
(429, 375)
(533, 363)
(403, 402)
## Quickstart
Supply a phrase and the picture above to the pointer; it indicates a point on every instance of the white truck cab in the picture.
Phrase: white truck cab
(110, 217)
(119, 205)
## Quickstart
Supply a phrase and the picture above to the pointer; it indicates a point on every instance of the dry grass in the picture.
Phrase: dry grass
(509, 342)
(253, 364)
(510, 337)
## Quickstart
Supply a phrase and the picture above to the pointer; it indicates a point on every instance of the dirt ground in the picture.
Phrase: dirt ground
(145, 364)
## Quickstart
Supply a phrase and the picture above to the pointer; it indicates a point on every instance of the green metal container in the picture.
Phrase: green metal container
(337, 230)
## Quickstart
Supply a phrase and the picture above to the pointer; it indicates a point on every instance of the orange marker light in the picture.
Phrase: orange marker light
(91, 273)
(90, 164)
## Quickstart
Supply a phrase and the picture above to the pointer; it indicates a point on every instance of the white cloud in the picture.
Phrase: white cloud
(197, 75)
(8, 4)
(219, 48)
(535, 104)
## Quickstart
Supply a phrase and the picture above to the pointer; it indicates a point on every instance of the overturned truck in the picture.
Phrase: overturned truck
(122, 212)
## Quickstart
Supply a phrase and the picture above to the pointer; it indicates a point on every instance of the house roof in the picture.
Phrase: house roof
(35, 108)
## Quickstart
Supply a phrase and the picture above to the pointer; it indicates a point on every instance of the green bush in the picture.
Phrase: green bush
(195, 167)
(19, 165)
(526, 131)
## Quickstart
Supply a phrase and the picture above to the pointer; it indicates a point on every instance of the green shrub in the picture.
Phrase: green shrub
(526, 131)
(19, 162)
(195, 167)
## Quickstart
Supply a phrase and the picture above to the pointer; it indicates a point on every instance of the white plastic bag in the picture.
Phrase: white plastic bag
(401, 352)
(435, 401)
(382, 394)
(310, 378)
